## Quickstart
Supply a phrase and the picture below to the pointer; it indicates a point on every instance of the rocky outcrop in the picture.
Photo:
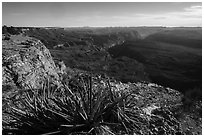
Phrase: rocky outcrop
(26, 63)
(154, 104)
(163, 108)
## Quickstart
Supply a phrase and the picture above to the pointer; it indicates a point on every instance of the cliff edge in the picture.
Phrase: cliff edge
(26, 63)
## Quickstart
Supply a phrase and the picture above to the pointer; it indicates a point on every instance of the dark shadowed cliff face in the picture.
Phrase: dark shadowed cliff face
(26, 62)
(101, 37)
(86, 49)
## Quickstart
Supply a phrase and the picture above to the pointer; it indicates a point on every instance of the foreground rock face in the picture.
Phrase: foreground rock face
(161, 107)
(154, 105)
(26, 63)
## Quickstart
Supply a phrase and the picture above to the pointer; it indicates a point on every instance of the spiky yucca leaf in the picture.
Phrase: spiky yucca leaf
(79, 109)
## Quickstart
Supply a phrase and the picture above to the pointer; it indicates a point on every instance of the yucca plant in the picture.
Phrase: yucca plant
(80, 106)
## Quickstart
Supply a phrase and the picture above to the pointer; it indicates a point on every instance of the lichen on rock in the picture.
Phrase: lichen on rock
(27, 63)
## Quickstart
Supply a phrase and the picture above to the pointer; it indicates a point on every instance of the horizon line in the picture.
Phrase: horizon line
(104, 26)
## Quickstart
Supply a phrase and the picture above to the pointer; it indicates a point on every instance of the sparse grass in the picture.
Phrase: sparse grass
(78, 107)
(191, 99)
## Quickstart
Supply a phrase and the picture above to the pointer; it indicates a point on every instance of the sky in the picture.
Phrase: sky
(105, 14)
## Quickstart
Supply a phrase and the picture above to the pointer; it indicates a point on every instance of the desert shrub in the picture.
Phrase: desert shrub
(77, 107)
(6, 37)
(191, 96)
(11, 30)
(4, 29)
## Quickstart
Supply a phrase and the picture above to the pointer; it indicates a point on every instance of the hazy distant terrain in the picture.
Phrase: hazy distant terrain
(168, 56)
(171, 57)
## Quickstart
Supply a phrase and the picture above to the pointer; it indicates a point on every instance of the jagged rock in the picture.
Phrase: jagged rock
(154, 104)
(27, 63)
(61, 67)
(58, 46)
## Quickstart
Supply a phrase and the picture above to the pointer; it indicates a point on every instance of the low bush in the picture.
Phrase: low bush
(77, 107)
(191, 97)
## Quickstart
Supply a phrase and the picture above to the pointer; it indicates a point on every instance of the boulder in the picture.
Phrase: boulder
(27, 63)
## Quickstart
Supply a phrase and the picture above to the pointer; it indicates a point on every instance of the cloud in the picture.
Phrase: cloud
(189, 16)
(159, 18)
(189, 12)
(194, 7)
